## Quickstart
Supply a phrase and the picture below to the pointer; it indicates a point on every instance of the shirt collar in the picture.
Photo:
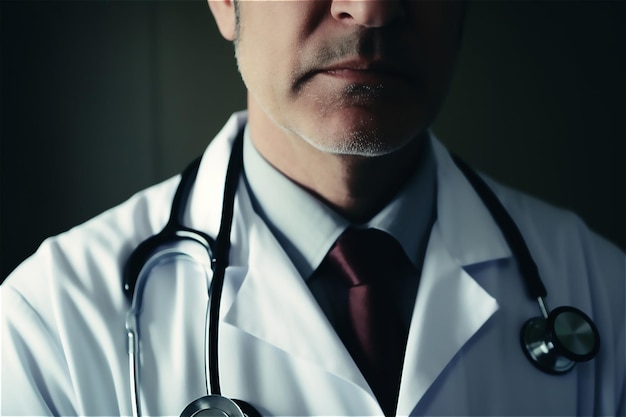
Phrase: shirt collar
(306, 228)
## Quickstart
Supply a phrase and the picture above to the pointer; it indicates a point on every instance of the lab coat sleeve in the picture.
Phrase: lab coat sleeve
(35, 377)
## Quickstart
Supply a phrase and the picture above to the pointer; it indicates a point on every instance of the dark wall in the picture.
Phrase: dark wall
(102, 98)
(539, 102)
(99, 100)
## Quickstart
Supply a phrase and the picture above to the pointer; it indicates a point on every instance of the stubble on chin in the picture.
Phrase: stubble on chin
(340, 137)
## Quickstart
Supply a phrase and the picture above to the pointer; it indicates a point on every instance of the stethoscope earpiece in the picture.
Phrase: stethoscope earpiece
(557, 342)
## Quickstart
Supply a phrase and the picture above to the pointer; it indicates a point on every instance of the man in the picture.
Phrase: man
(335, 143)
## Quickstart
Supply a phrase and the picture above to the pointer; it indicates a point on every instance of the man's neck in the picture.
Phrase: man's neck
(357, 187)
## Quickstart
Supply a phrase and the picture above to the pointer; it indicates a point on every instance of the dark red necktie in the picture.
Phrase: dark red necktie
(369, 261)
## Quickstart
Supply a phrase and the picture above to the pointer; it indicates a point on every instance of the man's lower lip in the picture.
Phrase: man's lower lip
(362, 76)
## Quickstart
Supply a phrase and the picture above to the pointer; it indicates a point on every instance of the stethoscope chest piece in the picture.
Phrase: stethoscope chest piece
(556, 343)
(218, 406)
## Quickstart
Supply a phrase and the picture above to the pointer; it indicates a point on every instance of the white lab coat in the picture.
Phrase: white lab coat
(63, 312)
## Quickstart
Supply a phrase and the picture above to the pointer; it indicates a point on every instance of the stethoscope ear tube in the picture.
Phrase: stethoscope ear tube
(222, 253)
(511, 233)
(139, 257)
(215, 404)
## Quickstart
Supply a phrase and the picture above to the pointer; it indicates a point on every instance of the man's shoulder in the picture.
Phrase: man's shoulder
(544, 218)
(95, 250)
(559, 237)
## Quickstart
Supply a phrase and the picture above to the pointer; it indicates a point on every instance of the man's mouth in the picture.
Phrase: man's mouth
(362, 71)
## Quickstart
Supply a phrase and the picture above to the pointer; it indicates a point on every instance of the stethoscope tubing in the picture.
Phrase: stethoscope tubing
(510, 231)
(222, 254)
(220, 258)
(174, 230)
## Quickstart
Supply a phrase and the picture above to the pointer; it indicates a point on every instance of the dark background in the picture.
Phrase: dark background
(100, 99)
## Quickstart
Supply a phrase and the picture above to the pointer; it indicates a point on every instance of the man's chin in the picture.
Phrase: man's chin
(368, 142)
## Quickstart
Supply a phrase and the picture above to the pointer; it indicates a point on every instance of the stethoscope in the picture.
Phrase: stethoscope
(554, 342)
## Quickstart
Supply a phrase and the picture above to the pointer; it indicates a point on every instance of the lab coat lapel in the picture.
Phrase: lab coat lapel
(451, 306)
(275, 306)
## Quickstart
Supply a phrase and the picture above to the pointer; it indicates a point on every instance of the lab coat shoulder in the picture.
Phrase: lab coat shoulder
(567, 252)
(63, 310)
(88, 258)
(57, 307)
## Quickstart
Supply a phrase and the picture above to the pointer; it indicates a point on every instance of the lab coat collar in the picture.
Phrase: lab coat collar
(266, 288)
(207, 194)
(470, 234)
(468, 230)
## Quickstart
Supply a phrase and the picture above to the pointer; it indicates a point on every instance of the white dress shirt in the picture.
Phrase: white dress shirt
(306, 228)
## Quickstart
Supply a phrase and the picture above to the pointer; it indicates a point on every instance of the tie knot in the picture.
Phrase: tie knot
(366, 256)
